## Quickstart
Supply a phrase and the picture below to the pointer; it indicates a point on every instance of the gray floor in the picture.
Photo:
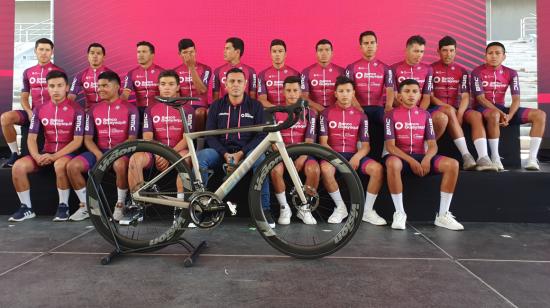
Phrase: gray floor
(50, 264)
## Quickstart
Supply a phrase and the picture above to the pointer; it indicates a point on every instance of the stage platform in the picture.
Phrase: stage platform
(49, 264)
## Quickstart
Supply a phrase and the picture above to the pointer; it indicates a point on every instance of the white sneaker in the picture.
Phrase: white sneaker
(284, 217)
(399, 221)
(532, 165)
(468, 162)
(372, 217)
(118, 213)
(306, 217)
(485, 164)
(448, 221)
(191, 225)
(80, 214)
(340, 212)
(498, 164)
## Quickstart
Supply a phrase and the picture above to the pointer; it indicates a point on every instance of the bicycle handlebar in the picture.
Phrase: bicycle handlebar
(176, 101)
(293, 112)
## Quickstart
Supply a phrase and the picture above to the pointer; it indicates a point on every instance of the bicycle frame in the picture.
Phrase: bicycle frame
(245, 166)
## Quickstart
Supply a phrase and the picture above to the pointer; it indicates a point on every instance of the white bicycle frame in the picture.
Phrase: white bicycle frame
(245, 166)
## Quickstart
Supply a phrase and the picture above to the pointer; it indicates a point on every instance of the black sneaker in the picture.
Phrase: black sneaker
(62, 213)
(22, 213)
(269, 218)
(9, 163)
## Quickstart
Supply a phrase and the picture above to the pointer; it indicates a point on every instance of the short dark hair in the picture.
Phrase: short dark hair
(98, 45)
(408, 82)
(234, 70)
(237, 44)
(169, 73)
(323, 42)
(110, 76)
(447, 41)
(367, 33)
(415, 39)
(291, 79)
(341, 80)
(278, 42)
(57, 74)
(185, 43)
(43, 41)
(148, 44)
(499, 44)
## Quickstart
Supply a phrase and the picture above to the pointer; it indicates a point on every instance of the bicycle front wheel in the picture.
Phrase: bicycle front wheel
(293, 236)
(142, 225)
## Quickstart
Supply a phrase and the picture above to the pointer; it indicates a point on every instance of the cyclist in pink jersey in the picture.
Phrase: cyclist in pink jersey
(318, 80)
(373, 79)
(413, 68)
(86, 80)
(303, 131)
(407, 128)
(108, 124)
(451, 95)
(270, 80)
(232, 53)
(62, 123)
(489, 84)
(143, 80)
(342, 126)
(35, 87)
(194, 80)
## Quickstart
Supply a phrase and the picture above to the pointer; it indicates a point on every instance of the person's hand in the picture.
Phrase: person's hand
(190, 60)
(416, 168)
(45, 159)
(354, 162)
(388, 108)
(161, 163)
(503, 121)
(425, 165)
(237, 157)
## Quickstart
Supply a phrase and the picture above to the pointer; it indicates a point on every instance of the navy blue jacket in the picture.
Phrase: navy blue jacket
(249, 112)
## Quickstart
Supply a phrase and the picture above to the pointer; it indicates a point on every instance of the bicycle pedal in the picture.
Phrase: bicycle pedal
(232, 208)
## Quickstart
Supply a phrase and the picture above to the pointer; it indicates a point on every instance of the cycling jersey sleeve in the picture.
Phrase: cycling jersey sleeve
(206, 75)
(76, 85)
(304, 81)
(429, 133)
(428, 83)
(364, 128)
(388, 77)
(323, 123)
(79, 118)
(252, 80)
(35, 124)
(133, 117)
(389, 131)
(26, 84)
(476, 84)
(262, 87)
(349, 72)
(311, 132)
(147, 121)
(216, 81)
(514, 82)
(464, 86)
(128, 82)
(89, 128)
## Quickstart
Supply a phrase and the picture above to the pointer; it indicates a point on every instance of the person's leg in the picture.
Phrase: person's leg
(475, 120)
(63, 188)
(8, 121)
(440, 121)
(457, 134)
(537, 118)
(449, 169)
(394, 166)
(20, 178)
(200, 119)
(138, 162)
(208, 159)
(375, 171)
(279, 188)
(265, 186)
(120, 166)
(76, 167)
(492, 125)
(311, 168)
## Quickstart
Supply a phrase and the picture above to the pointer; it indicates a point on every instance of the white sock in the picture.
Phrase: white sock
(534, 148)
(13, 147)
(281, 197)
(337, 198)
(121, 195)
(398, 202)
(461, 145)
(369, 201)
(493, 145)
(25, 198)
(445, 203)
(481, 147)
(81, 194)
(180, 195)
(64, 196)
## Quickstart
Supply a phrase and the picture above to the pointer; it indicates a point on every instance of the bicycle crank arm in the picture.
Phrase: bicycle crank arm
(169, 201)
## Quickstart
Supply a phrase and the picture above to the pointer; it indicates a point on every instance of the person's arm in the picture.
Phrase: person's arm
(317, 107)
(391, 148)
(390, 97)
(25, 93)
(323, 141)
(198, 81)
(262, 98)
(133, 118)
(514, 90)
(74, 145)
(464, 103)
(76, 87)
(435, 101)
(127, 87)
(92, 147)
(252, 84)
(148, 136)
(427, 90)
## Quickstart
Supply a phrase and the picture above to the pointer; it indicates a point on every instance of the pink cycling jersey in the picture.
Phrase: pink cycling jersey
(218, 81)
(319, 82)
(86, 81)
(144, 83)
(344, 128)
(34, 82)
(420, 72)
(304, 129)
(270, 82)
(409, 128)
(493, 82)
(112, 123)
(187, 87)
(59, 122)
(450, 81)
(371, 80)
(165, 123)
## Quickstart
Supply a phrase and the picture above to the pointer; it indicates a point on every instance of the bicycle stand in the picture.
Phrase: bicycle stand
(194, 251)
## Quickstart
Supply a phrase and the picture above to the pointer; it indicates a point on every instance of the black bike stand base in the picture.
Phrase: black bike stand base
(194, 251)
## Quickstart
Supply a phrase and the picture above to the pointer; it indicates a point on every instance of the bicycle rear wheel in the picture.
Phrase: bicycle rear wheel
(150, 225)
(314, 240)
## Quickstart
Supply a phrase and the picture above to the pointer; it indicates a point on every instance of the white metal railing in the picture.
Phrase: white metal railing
(30, 32)
(528, 26)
